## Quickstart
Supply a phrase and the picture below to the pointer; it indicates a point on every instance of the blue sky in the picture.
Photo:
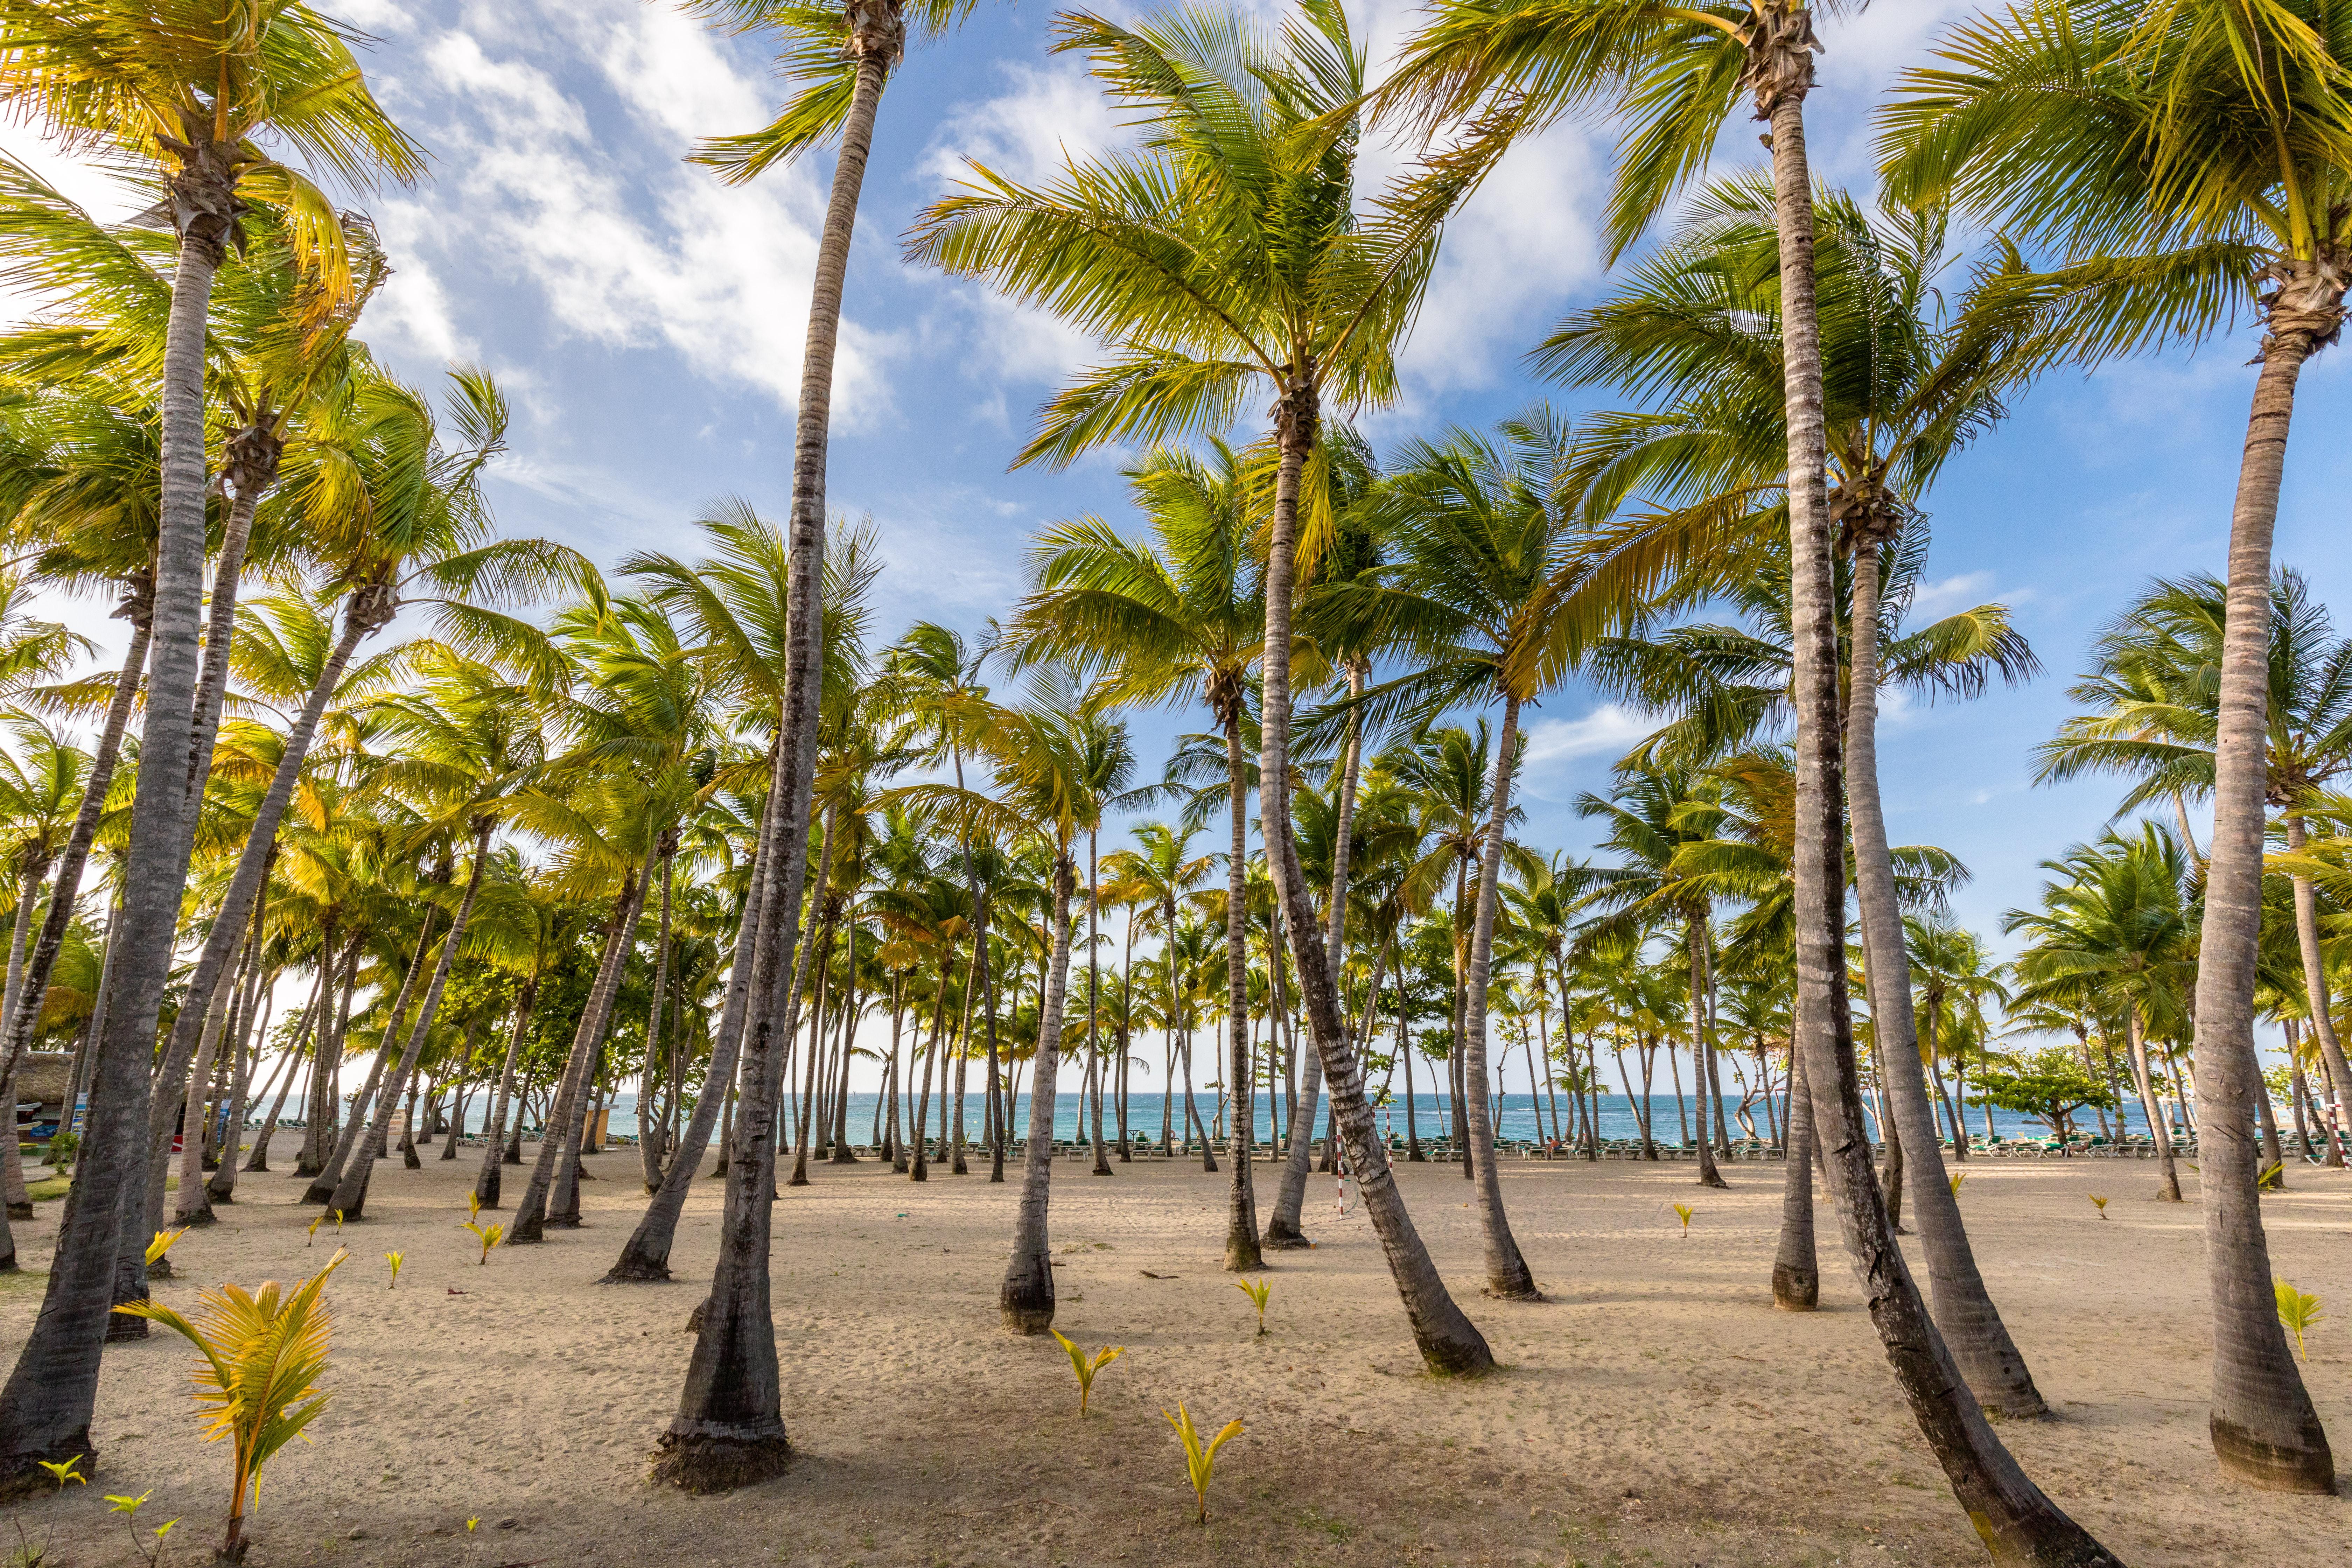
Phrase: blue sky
(647, 323)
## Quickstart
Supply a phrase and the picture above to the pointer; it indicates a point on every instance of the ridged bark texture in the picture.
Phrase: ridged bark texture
(2016, 1521)
(1507, 1274)
(1242, 1252)
(1450, 1344)
(2264, 1428)
(46, 1405)
(1971, 1325)
(730, 1429)
(1025, 1298)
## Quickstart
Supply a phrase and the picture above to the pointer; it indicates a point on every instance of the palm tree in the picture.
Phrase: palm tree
(1179, 618)
(1954, 976)
(1041, 756)
(467, 744)
(1479, 527)
(2155, 710)
(1230, 250)
(2118, 928)
(2183, 158)
(194, 96)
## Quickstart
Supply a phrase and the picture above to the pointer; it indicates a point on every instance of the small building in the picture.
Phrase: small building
(43, 1080)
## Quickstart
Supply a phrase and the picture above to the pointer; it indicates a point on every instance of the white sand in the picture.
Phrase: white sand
(1656, 1409)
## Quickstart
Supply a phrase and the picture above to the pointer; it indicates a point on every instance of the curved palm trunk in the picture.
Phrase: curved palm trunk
(138, 607)
(1695, 946)
(1796, 1266)
(2264, 1428)
(330, 1175)
(366, 611)
(730, 1429)
(1971, 1325)
(2016, 1521)
(1241, 1212)
(486, 1181)
(1449, 1343)
(351, 1193)
(1507, 1274)
(321, 989)
(1026, 1297)
(195, 1206)
(1290, 1202)
(650, 1153)
(2314, 982)
(2158, 1128)
(645, 1255)
(1096, 1063)
(47, 1403)
(542, 1202)
(811, 962)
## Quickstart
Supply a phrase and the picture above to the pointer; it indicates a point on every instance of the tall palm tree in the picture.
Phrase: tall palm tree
(195, 95)
(2182, 159)
(2119, 923)
(1227, 254)
(1181, 617)
(1479, 528)
(2155, 712)
(1040, 755)
(466, 745)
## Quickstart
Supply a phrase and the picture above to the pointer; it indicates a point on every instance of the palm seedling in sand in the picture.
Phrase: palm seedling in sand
(258, 1385)
(1257, 1290)
(1200, 1458)
(1087, 1366)
(2298, 1313)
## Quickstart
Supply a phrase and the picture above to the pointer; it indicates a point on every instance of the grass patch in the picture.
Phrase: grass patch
(50, 1187)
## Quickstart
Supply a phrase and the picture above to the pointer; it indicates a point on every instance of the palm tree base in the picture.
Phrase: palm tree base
(706, 1462)
(1713, 1179)
(20, 1211)
(1027, 1309)
(1283, 1237)
(21, 1476)
(1449, 1358)
(121, 1328)
(631, 1270)
(1796, 1290)
(2308, 1467)
(187, 1219)
(1243, 1259)
(1527, 1292)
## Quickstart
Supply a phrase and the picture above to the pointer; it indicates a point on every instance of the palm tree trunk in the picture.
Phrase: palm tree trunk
(326, 1070)
(330, 1175)
(1507, 1274)
(542, 1201)
(1695, 941)
(2158, 1128)
(351, 1193)
(2264, 1428)
(138, 607)
(1290, 1202)
(645, 1255)
(2016, 1521)
(47, 1403)
(650, 1155)
(1026, 1297)
(488, 1181)
(2314, 979)
(195, 1206)
(730, 1429)
(367, 610)
(321, 990)
(1242, 1251)
(1964, 1311)
(1449, 1343)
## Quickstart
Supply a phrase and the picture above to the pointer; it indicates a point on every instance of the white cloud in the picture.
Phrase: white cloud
(1610, 731)
(1933, 598)
(628, 245)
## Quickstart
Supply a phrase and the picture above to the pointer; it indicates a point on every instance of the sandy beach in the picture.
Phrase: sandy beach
(1656, 1409)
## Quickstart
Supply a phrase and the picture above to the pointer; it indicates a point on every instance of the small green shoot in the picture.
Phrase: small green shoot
(489, 1236)
(473, 1205)
(128, 1508)
(1257, 1290)
(1087, 1367)
(2101, 1203)
(339, 1222)
(1683, 1212)
(65, 1473)
(2274, 1178)
(471, 1523)
(394, 1259)
(313, 1232)
(2298, 1312)
(1958, 1177)
(1200, 1459)
(161, 1243)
